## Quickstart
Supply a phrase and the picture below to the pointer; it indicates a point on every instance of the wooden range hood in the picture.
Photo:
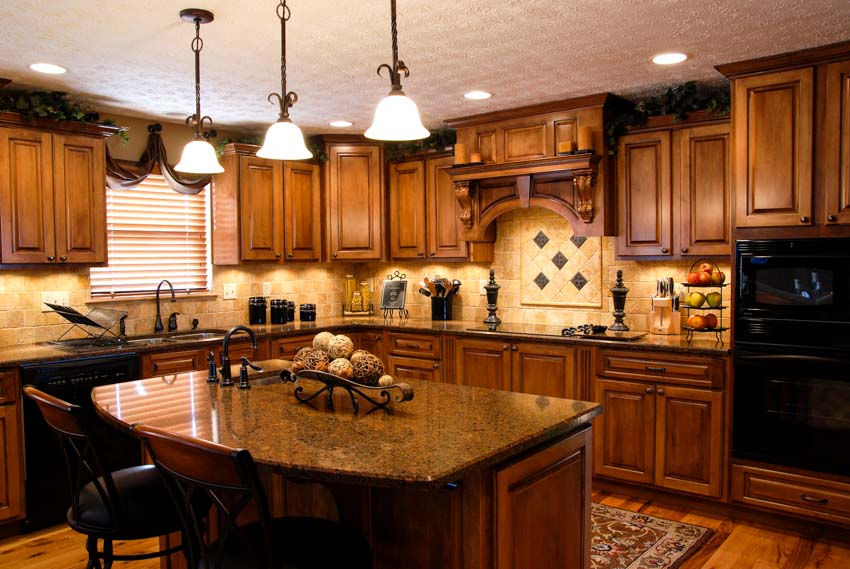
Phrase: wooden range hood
(521, 167)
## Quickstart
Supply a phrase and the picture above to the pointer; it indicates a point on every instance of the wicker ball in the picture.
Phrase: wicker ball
(341, 367)
(320, 342)
(299, 357)
(340, 346)
(317, 360)
(367, 369)
(357, 354)
(385, 380)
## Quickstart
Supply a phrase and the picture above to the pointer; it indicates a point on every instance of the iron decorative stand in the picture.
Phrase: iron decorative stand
(382, 395)
(402, 311)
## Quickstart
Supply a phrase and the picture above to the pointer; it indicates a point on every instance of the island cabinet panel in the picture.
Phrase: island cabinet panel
(774, 141)
(624, 445)
(414, 356)
(833, 172)
(402, 368)
(302, 206)
(11, 448)
(241, 348)
(482, 363)
(285, 348)
(544, 369)
(407, 210)
(542, 504)
(355, 202)
(372, 342)
(260, 205)
(173, 361)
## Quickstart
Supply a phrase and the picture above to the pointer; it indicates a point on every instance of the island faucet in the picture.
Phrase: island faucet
(225, 352)
(157, 327)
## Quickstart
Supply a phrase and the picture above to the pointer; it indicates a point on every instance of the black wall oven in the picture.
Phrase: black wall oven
(792, 353)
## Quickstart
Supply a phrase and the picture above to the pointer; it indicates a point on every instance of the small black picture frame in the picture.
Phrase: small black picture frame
(393, 294)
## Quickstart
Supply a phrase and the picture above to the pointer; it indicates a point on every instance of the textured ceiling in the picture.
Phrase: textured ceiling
(133, 58)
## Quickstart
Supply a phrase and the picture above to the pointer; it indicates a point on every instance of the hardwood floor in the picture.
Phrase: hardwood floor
(736, 543)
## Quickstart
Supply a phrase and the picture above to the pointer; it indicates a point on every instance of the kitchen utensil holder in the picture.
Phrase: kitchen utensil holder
(441, 308)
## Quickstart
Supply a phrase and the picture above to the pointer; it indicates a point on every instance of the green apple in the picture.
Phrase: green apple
(695, 299)
(714, 299)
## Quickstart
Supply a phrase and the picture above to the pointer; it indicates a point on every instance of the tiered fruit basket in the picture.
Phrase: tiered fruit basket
(701, 316)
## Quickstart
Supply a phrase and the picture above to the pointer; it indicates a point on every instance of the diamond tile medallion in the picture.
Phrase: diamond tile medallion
(557, 267)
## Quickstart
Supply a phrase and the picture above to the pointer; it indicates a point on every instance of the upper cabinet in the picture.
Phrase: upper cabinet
(674, 188)
(52, 192)
(264, 208)
(792, 143)
(355, 201)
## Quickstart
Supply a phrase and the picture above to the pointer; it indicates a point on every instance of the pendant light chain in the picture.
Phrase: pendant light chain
(398, 67)
(197, 120)
(284, 98)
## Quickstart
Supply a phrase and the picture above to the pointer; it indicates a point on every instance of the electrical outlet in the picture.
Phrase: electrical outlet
(60, 297)
(229, 291)
(481, 284)
(267, 289)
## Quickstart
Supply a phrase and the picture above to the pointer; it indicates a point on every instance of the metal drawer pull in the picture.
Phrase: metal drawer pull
(656, 369)
(411, 346)
(821, 501)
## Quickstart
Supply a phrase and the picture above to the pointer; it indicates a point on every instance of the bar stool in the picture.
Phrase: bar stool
(127, 504)
(229, 479)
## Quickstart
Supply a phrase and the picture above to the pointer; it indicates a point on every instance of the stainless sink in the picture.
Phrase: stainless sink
(195, 336)
(150, 341)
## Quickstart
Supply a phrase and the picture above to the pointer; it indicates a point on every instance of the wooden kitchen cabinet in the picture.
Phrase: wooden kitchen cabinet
(482, 363)
(675, 190)
(285, 348)
(833, 154)
(11, 448)
(174, 361)
(52, 194)
(355, 201)
(371, 341)
(414, 356)
(302, 206)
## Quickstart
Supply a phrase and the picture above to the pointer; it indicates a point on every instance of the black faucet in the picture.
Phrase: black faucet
(226, 379)
(157, 327)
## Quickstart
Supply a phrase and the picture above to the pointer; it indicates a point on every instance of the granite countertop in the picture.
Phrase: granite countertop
(445, 432)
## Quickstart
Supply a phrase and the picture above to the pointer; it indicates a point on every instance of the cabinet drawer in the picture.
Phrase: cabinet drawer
(402, 369)
(668, 368)
(794, 493)
(417, 345)
(9, 387)
(285, 348)
(177, 361)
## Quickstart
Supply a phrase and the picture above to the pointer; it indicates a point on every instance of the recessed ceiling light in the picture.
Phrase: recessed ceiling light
(478, 95)
(669, 58)
(48, 68)
(340, 124)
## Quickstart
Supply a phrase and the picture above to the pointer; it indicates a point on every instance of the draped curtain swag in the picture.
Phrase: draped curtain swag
(122, 177)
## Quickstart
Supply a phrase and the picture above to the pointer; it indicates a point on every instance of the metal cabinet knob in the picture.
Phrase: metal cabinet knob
(649, 391)
(420, 254)
(804, 219)
(277, 255)
(831, 217)
(504, 347)
(334, 255)
(514, 348)
(436, 366)
(378, 338)
(433, 254)
(665, 250)
(684, 249)
(289, 255)
(660, 391)
(51, 258)
(63, 258)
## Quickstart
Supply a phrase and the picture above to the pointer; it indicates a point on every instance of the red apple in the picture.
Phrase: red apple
(706, 268)
(693, 278)
(718, 278)
(704, 278)
(710, 321)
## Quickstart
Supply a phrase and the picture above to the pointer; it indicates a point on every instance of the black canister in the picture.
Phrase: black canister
(441, 308)
(257, 310)
(277, 310)
(307, 312)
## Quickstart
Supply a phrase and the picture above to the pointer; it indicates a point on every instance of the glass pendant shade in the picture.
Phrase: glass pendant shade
(199, 158)
(284, 141)
(397, 118)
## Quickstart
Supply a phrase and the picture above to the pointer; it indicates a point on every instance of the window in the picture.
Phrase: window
(154, 233)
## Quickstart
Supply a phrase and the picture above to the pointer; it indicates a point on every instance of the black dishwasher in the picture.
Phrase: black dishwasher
(47, 492)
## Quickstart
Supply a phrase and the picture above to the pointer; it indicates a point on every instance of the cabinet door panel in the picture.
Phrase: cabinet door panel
(834, 154)
(544, 370)
(261, 208)
(303, 207)
(773, 149)
(26, 196)
(177, 361)
(704, 178)
(407, 210)
(355, 198)
(444, 225)
(285, 348)
(689, 441)
(483, 363)
(624, 438)
(11, 464)
(402, 369)
(372, 342)
(645, 194)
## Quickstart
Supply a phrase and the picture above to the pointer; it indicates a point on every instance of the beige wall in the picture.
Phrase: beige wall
(22, 322)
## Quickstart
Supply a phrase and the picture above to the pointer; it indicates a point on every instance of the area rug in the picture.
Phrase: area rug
(631, 540)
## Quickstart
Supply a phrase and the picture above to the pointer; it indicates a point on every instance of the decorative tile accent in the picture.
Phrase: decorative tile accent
(578, 241)
(541, 281)
(579, 281)
(560, 260)
(541, 239)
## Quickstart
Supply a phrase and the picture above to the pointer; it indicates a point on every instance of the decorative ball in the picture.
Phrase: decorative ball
(299, 357)
(317, 360)
(368, 369)
(320, 342)
(385, 380)
(340, 346)
(341, 367)
(357, 354)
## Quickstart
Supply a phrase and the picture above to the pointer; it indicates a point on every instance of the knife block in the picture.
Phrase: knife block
(663, 319)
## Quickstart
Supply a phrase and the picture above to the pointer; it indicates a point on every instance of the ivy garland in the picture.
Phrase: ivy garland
(439, 140)
(678, 101)
(53, 105)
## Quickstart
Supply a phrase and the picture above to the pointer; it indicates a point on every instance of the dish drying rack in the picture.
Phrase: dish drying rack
(96, 323)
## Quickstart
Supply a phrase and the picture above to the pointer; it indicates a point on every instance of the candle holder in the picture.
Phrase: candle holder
(492, 296)
(619, 293)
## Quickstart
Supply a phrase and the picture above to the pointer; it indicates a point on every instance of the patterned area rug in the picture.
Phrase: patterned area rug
(630, 540)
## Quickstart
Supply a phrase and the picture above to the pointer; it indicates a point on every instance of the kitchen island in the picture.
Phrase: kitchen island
(458, 477)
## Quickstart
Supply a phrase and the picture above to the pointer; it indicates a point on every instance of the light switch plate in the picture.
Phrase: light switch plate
(267, 289)
(481, 284)
(60, 297)
(228, 291)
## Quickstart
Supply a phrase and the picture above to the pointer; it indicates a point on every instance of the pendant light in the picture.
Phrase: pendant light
(198, 155)
(397, 117)
(284, 140)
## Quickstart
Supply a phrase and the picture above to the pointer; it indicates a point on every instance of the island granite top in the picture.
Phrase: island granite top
(445, 432)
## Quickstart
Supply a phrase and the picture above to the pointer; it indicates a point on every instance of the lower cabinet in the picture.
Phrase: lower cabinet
(414, 356)
(372, 342)
(195, 359)
(11, 448)
(285, 348)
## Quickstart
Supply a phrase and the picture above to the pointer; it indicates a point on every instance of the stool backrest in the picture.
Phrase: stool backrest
(199, 471)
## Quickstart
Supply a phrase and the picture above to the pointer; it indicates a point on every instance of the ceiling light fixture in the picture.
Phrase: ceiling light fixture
(340, 124)
(669, 58)
(397, 117)
(478, 95)
(284, 140)
(49, 68)
(198, 155)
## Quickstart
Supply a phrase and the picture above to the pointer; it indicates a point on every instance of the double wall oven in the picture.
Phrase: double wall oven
(792, 353)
